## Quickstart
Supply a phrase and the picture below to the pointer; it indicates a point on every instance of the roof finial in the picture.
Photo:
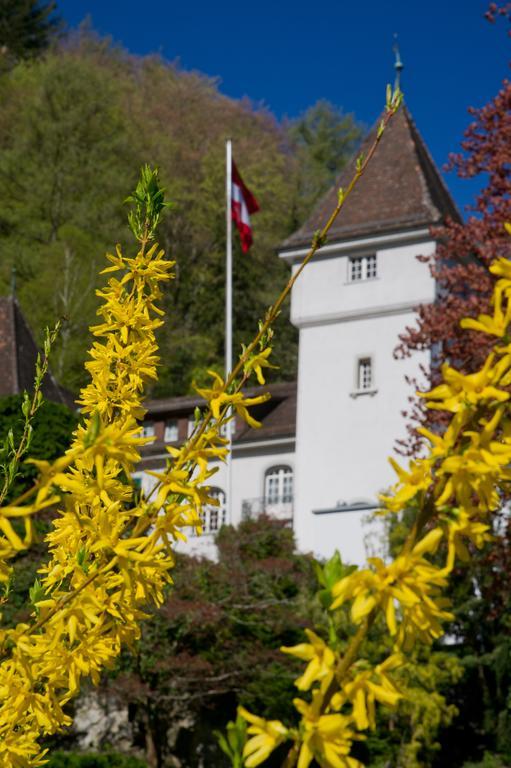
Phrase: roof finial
(13, 281)
(398, 64)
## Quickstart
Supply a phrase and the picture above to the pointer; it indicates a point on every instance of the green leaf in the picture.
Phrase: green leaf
(148, 199)
(36, 593)
(93, 431)
(81, 559)
(26, 404)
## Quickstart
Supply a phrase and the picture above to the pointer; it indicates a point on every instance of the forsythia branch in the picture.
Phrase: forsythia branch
(111, 553)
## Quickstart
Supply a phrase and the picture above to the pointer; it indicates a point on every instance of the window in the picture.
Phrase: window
(227, 429)
(364, 374)
(278, 485)
(370, 262)
(213, 517)
(171, 431)
(148, 429)
(355, 269)
(278, 493)
(190, 426)
(362, 268)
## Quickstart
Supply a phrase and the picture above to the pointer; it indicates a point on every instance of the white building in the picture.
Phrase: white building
(320, 458)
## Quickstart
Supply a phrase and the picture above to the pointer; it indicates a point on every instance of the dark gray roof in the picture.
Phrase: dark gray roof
(18, 353)
(401, 189)
(277, 415)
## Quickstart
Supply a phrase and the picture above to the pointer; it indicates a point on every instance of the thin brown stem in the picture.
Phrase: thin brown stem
(35, 403)
(292, 756)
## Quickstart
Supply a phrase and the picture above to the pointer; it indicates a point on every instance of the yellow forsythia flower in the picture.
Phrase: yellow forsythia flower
(217, 399)
(411, 581)
(257, 362)
(411, 483)
(495, 325)
(460, 390)
(321, 660)
(266, 736)
(370, 686)
(326, 738)
(110, 554)
(460, 526)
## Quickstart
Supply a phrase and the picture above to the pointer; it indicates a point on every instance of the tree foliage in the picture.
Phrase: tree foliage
(325, 139)
(89, 110)
(53, 426)
(60, 759)
(461, 267)
(215, 641)
(464, 253)
(26, 29)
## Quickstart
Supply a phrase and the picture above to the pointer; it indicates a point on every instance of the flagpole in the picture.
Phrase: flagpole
(228, 311)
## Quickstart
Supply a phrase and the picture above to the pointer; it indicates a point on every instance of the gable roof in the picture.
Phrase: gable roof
(18, 354)
(401, 189)
(277, 416)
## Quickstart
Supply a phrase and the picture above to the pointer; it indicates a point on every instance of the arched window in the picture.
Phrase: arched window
(213, 517)
(278, 492)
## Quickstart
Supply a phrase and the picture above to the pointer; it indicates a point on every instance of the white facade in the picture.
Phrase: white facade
(253, 465)
(350, 305)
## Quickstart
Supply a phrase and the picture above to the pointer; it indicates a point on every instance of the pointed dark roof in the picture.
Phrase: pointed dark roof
(18, 353)
(401, 189)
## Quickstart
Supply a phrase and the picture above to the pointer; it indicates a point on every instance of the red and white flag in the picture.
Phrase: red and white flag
(243, 203)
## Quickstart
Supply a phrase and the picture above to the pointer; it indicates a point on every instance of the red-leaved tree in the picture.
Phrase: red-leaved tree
(464, 286)
(464, 252)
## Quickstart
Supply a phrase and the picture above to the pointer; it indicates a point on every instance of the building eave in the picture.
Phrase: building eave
(353, 245)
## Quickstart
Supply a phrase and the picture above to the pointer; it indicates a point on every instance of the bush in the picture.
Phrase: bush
(93, 760)
(53, 427)
(488, 761)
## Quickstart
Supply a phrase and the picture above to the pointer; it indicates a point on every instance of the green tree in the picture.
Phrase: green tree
(481, 595)
(53, 426)
(215, 642)
(168, 108)
(88, 110)
(26, 29)
(60, 759)
(325, 138)
(476, 712)
(61, 128)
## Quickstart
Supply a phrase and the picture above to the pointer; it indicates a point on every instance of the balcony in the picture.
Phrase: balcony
(281, 508)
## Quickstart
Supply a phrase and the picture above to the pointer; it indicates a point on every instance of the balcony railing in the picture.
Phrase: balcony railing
(279, 508)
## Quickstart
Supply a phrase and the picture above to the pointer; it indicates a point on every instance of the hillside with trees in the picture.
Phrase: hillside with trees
(76, 125)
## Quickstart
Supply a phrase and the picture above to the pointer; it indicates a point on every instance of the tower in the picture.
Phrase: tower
(350, 305)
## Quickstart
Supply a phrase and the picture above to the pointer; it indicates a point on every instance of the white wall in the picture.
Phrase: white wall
(343, 441)
(324, 293)
(250, 464)
(249, 468)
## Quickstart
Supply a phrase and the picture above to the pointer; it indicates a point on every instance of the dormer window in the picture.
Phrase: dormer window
(362, 268)
(171, 431)
(148, 429)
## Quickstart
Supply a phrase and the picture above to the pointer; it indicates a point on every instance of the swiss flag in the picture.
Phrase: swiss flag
(243, 203)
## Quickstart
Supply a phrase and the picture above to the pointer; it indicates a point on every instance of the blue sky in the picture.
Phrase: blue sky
(286, 55)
